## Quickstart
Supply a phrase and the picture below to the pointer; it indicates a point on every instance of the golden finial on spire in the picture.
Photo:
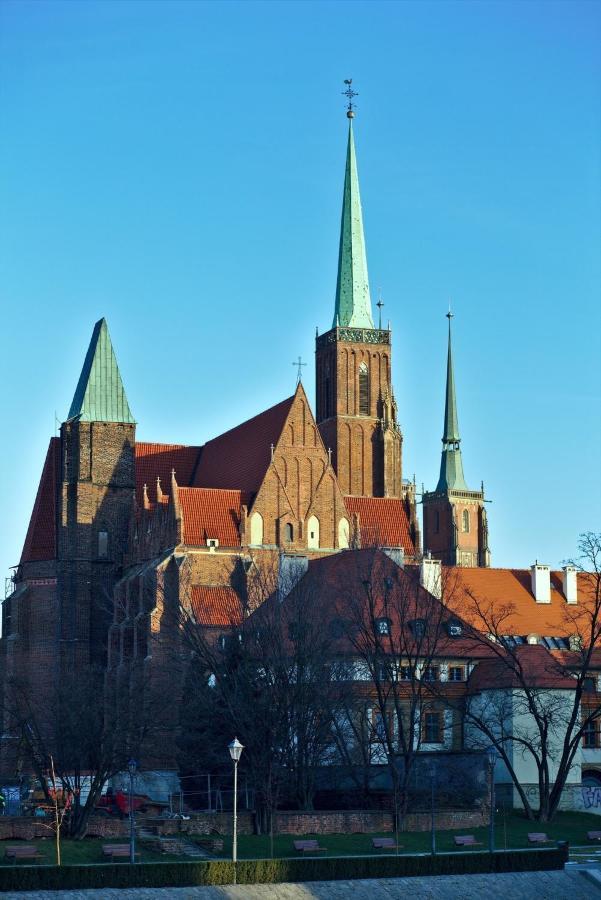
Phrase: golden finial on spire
(350, 93)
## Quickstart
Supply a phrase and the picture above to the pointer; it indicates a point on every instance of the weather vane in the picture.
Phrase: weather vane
(350, 93)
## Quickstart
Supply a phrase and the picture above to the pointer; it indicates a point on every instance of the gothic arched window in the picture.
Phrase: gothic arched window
(465, 519)
(289, 532)
(436, 521)
(363, 390)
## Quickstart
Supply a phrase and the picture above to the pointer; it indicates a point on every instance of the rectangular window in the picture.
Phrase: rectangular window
(456, 673)
(406, 673)
(431, 673)
(590, 735)
(383, 626)
(432, 728)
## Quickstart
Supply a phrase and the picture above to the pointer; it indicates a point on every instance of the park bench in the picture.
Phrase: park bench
(466, 840)
(22, 851)
(119, 850)
(308, 847)
(593, 835)
(538, 837)
(384, 843)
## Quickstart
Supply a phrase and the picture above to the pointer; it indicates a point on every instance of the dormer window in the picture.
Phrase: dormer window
(383, 627)
(418, 627)
(212, 543)
(454, 628)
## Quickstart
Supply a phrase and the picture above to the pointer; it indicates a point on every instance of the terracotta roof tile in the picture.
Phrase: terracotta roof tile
(40, 541)
(240, 457)
(511, 588)
(209, 513)
(382, 521)
(157, 460)
(540, 670)
(216, 605)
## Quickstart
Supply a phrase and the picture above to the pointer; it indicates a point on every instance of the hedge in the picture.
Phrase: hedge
(271, 871)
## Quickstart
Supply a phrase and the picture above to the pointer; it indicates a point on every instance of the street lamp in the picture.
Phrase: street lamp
(432, 810)
(131, 768)
(235, 749)
(493, 755)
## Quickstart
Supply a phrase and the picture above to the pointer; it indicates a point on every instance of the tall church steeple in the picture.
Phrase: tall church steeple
(356, 411)
(451, 465)
(353, 302)
(455, 521)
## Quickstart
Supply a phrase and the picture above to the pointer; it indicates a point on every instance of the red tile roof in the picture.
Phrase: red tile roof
(216, 606)
(210, 513)
(240, 457)
(540, 669)
(40, 541)
(509, 592)
(344, 583)
(382, 522)
(157, 460)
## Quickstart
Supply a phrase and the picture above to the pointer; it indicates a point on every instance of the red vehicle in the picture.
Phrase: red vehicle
(117, 804)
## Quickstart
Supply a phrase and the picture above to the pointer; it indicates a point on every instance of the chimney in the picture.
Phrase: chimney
(570, 584)
(292, 568)
(541, 582)
(430, 576)
(396, 554)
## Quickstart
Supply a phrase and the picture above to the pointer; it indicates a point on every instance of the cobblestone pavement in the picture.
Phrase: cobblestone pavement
(568, 885)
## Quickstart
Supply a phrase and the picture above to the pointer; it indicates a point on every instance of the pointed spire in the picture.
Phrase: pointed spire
(451, 423)
(451, 464)
(100, 395)
(353, 302)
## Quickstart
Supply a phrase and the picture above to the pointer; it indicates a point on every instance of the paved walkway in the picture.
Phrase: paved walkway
(568, 885)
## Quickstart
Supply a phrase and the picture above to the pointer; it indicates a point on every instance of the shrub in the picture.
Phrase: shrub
(272, 871)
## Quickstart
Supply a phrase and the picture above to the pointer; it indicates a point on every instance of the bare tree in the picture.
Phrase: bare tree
(395, 629)
(543, 703)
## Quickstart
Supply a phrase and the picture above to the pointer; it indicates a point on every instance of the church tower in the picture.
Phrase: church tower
(455, 523)
(356, 409)
(96, 490)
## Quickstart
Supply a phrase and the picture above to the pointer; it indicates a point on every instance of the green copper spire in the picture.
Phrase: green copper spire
(451, 465)
(353, 303)
(100, 395)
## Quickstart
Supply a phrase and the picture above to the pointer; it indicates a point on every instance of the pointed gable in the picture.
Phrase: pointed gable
(240, 457)
(100, 395)
(40, 541)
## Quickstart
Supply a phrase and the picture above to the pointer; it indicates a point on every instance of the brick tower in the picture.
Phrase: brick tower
(55, 620)
(356, 409)
(455, 524)
(98, 481)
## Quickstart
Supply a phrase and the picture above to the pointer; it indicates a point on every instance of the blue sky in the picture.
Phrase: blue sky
(178, 168)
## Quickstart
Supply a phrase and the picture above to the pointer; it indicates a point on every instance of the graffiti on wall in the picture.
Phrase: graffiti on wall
(591, 797)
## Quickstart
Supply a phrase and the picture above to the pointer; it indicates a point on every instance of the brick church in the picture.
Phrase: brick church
(291, 480)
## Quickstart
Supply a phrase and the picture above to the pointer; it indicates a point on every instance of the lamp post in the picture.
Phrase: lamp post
(492, 754)
(432, 811)
(131, 768)
(235, 749)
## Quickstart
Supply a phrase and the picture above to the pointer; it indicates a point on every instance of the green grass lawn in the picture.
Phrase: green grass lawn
(511, 832)
(88, 850)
